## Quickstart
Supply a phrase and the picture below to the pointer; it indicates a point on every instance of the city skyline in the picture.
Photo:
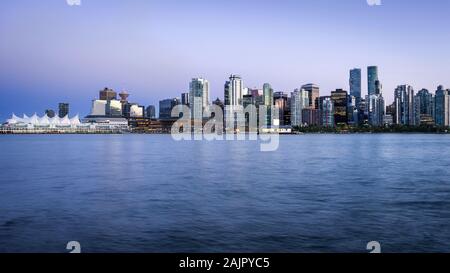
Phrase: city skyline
(65, 57)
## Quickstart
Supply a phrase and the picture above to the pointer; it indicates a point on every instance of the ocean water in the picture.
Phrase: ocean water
(148, 193)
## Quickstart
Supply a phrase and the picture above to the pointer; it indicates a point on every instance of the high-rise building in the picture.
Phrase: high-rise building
(299, 101)
(355, 83)
(352, 110)
(108, 94)
(326, 111)
(442, 102)
(376, 109)
(404, 105)
(363, 115)
(150, 112)
(233, 91)
(268, 102)
(340, 102)
(166, 106)
(372, 78)
(198, 97)
(63, 110)
(281, 102)
(185, 99)
(313, 93)
(375, 106)
(50, 113)
(268, 94)
(233, 94)
(424, 107)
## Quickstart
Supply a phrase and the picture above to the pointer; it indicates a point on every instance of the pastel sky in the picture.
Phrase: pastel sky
(51, 52)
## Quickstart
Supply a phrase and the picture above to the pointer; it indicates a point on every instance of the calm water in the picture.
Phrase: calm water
(141, 193)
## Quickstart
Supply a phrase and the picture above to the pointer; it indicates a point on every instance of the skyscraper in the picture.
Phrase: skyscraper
(326, 108)
(185, 99)
(424, 108)
(355, 83)
(233, 98)
(268, 94)
(376, 110)
(352, 110)
(340, 101)
(442, 101)
(63, 110)
(299, 101)
(268, 102)
(313, 93)
(281, 102)
(166, 106)
(198, 97)
(375, 106)
(404, 105)
(372, 78)
(233, 91)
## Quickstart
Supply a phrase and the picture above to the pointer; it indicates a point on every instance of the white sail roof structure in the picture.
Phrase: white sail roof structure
(35, 120)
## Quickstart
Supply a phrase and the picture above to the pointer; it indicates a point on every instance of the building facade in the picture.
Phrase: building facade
(299, 101)
(198, 97)
(340, 102)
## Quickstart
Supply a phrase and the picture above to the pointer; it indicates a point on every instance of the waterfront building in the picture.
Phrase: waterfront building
(268, 103)
(310, 117)
(424, 107)
(150, 112)
(355, 84)
(404, 105)
(63, 110)
(352, 110)
(281, 101)
(340, 106)
(363, 117)
(166, 106)
(372, 78)
(50, 113)
(42, 122)
(299, 101)
(313, 94)
(442, 106)
(327, 114)
(198, 97)
(107, 94)
(111, 108)
(185, 99)
(98, 108)
(65, 125)
(388, 120)
(233, 95)
(376, 110)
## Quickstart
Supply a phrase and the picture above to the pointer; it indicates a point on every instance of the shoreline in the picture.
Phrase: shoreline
(283, 134)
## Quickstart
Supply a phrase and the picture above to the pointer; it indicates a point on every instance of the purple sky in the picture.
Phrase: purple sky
(51, 52)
